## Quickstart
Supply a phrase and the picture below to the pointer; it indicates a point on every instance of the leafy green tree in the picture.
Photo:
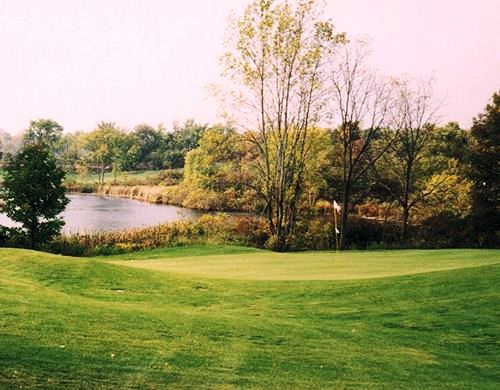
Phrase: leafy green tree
(45, 131)
(216, 164)
(150, 142)
(33, 193)
(126, 152)
(437, 184)
(451, 141)
(70, 151)
(99, 148)
(180, 141)
(317, 170)
(109, 148)
(9, 146)
(448, 148)
(484, 157)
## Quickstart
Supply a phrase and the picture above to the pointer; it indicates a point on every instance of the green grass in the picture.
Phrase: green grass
(253, 264)
(122, 178)
(92, 323)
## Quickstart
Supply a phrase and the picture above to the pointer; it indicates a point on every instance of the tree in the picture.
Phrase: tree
(45, 131)
(484, 171)
(317, 169)
(99, 147)
(69, 151)
(108, 147)
(149, 141)
(451, 141)
(9, 146)
(179, 142)
(409, 162)
(275, 64)
(216, 164)
(360, 102)
(33, 193)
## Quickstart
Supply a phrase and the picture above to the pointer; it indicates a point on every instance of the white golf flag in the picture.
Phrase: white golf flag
(337, 231)
(336, 206)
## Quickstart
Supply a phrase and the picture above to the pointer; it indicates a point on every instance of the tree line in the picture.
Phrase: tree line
(289, 71)
(108, 147)
(311, 129)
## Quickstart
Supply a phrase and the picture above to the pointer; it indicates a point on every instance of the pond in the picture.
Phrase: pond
(90, 213)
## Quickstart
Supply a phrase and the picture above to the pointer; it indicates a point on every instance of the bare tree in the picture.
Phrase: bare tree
(360, 101)
(408, 159)
(275, 65)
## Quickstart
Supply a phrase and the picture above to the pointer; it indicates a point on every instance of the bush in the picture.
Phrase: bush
(319, 235)
(83, 188)
(365, 233)
(484, 229)
(440, 231)
(444, 230)
(447, 230)
(253, 230)
(202, 199)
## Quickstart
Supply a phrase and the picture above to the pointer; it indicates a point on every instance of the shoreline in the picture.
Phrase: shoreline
(161, 195)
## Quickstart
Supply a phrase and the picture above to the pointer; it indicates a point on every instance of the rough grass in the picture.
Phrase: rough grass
(73, 323)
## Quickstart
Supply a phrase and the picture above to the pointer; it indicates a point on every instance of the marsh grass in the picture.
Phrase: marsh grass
(208, 229)
(147, 186)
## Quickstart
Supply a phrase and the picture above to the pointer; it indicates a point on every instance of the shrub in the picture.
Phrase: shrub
(443, 230)
(363, 233)
(203, 199)
(319, 235)
(447, 230)
(253, 230)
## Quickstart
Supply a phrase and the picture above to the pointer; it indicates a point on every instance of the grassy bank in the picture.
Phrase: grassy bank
(147, 186)
(99, 323)
(164, 187)
(129, 178)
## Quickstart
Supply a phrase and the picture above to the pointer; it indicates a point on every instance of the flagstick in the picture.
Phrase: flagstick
(336, 230)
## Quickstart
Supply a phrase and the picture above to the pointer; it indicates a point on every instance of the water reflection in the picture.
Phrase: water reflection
(90, 213)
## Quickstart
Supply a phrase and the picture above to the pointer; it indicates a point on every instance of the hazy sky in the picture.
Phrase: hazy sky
(149, 61)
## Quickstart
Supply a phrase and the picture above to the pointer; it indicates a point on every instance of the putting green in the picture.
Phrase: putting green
(73, 323)
(264, 265)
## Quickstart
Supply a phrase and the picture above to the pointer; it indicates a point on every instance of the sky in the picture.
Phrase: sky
(150, 61)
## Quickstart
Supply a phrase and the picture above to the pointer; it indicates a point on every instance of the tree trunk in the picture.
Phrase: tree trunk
(404, 226)
(32, 235)
(384, 231)
(406, 196)
(344, 215)
(101, 174)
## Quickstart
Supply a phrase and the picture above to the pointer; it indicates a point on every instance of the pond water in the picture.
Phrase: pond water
(90, 213)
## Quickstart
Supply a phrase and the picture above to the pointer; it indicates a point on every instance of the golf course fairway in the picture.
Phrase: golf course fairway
(222, 317)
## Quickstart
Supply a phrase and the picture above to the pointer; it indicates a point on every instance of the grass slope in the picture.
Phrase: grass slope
(73, 323)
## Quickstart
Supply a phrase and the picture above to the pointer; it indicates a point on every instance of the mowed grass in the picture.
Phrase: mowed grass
(254, 264)
(93, 323)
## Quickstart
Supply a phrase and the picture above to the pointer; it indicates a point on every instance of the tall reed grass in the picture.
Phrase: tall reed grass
(216, 229)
